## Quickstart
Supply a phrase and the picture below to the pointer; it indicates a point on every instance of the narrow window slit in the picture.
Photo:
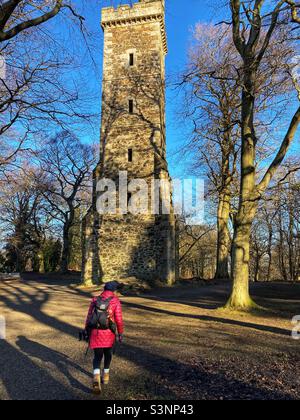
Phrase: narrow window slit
(129, 197)
(131, 59)
(130, 106)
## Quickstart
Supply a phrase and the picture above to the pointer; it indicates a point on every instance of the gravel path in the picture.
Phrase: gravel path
(178, 345)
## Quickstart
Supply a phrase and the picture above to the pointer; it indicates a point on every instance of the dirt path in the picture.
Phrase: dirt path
(177, 345)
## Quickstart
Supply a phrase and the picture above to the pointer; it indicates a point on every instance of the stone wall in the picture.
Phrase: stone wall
(141, 246)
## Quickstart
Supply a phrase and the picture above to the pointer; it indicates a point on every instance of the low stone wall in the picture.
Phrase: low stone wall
(10, 276)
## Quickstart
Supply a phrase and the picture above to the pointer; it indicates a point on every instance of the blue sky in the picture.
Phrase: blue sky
(181, 17)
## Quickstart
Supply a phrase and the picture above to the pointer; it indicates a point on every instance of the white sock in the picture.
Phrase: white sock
(106, 370)
(96, 372)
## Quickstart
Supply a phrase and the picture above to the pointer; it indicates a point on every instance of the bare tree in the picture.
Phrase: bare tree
(287, 227)
(275, 235)
(260, 244)
(35, 97)
(253, 30)
(17, 16)
(23, 220)
(212, 104)
(196, 250)
(67, 164)
(41, 79)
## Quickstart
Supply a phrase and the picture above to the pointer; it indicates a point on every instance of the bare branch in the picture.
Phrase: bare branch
(281, 153)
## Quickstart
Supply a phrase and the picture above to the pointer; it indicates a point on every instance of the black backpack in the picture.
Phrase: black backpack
(100, 319)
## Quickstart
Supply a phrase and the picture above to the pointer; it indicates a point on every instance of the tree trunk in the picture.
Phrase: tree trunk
(240, 297)
(20, 263)
(270, 252)
(281, 248)
(66, 250)
(257, 268)
(291, 244)
(223, 240)
(41, 262)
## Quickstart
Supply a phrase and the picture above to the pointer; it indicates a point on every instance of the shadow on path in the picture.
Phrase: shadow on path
(24, 380)
(179, 380)
(62, 362)
(168, 378)
(207, 318)
(32, 305)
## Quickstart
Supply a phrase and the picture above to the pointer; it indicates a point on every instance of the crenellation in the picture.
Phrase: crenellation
(139, 14)
(139, 9)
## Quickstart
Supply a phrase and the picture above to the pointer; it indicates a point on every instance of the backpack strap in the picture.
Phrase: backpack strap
(100, 301)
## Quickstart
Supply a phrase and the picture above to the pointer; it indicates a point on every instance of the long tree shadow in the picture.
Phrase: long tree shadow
(279, 300)
(19, 300)
(207, 318)
(171, 372)
(32, 305)
(205, 302)
(63, 363)
(70, 289)
(54, 279)
(187, 381)
(24, 380)
(82, 292)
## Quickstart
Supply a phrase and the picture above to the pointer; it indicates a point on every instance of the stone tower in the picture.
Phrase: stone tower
(133, 140)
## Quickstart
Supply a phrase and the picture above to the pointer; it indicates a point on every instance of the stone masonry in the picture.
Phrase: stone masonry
(133, 139)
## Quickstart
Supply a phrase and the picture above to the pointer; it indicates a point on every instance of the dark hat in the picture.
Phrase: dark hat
(112, 286)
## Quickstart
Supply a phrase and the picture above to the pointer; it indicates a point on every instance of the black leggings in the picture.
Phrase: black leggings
(98, 356)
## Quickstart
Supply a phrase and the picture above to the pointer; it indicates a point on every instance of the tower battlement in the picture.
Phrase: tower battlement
(139, 13)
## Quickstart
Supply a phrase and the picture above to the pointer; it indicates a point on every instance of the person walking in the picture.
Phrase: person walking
(105, 325)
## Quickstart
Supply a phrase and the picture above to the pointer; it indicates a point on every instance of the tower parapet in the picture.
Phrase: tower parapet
(139, 13)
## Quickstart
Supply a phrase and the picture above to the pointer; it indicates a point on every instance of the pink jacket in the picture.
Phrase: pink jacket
(106, 338)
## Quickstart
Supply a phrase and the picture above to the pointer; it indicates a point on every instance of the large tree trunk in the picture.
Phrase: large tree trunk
(252, 52)
(240, 297)
(223, 240)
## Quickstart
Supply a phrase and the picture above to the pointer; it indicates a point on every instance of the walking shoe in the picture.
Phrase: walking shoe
(105, 378)
(97, 385)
